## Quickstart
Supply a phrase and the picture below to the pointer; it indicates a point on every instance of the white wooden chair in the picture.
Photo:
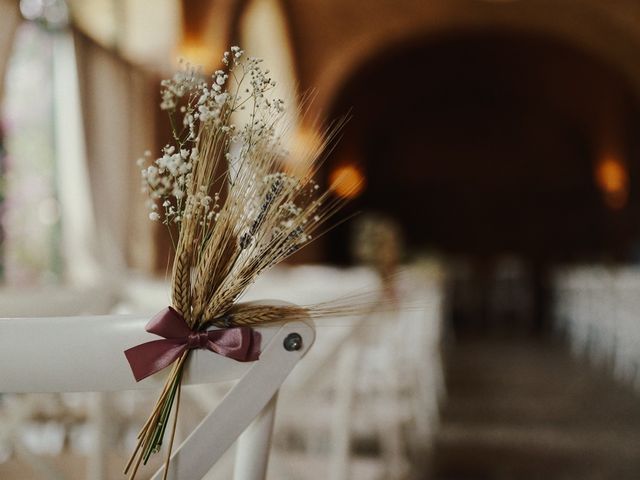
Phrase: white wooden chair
(73, 354)
(321, 401)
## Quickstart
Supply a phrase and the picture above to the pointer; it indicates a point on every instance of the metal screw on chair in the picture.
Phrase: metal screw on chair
(293, 342)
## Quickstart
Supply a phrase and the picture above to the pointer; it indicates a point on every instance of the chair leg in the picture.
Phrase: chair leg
(340, 448)
(99, 413)
(252, 450)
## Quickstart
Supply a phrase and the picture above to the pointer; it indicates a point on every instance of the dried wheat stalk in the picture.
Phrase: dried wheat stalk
(237, 211)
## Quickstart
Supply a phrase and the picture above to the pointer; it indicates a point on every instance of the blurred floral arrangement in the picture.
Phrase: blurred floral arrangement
(236, 213)
(377, 242)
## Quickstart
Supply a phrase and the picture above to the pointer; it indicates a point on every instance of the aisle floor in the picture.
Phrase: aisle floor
(526, 409)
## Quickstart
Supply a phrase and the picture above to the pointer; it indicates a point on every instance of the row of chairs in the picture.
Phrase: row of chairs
(370, 384)
(596, 309)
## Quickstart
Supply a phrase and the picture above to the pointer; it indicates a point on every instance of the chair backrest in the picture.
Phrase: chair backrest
(56, 300)
(65, 354)
(85, 354)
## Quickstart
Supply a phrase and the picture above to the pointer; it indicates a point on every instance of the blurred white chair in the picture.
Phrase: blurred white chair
(86, 354)
(597, 308)
(376, 378)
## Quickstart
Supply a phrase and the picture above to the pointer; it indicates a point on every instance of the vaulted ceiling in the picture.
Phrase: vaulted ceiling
(331, 37)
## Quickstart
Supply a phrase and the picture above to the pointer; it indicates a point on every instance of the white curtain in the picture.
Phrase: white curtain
(118, 104)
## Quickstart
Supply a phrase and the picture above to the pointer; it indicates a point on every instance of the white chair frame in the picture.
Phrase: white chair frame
(85, 354)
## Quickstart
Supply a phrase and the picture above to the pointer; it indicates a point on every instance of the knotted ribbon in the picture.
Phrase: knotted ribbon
(239, 343)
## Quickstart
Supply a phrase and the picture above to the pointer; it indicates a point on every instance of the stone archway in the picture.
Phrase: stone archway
(334, 39)
(494, 116)
(485, 148)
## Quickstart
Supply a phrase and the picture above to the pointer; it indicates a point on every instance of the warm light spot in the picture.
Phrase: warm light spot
(347, 181)
(305, 140)
(611, 175)
(304, 146)
(196, 52)
(613, 179)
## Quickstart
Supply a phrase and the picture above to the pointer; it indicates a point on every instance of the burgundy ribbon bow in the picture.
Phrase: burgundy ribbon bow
(240, 343)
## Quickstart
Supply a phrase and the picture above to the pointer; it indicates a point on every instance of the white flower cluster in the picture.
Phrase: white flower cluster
(182, 84)
(168, 177)
(192, 102)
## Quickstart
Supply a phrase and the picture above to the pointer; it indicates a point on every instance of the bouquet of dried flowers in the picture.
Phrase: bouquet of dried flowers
(221, 186)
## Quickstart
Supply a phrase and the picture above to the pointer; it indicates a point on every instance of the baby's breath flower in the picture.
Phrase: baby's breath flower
(192, 102)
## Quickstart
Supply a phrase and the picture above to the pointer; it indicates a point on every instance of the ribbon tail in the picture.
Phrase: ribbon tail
(151, 357)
